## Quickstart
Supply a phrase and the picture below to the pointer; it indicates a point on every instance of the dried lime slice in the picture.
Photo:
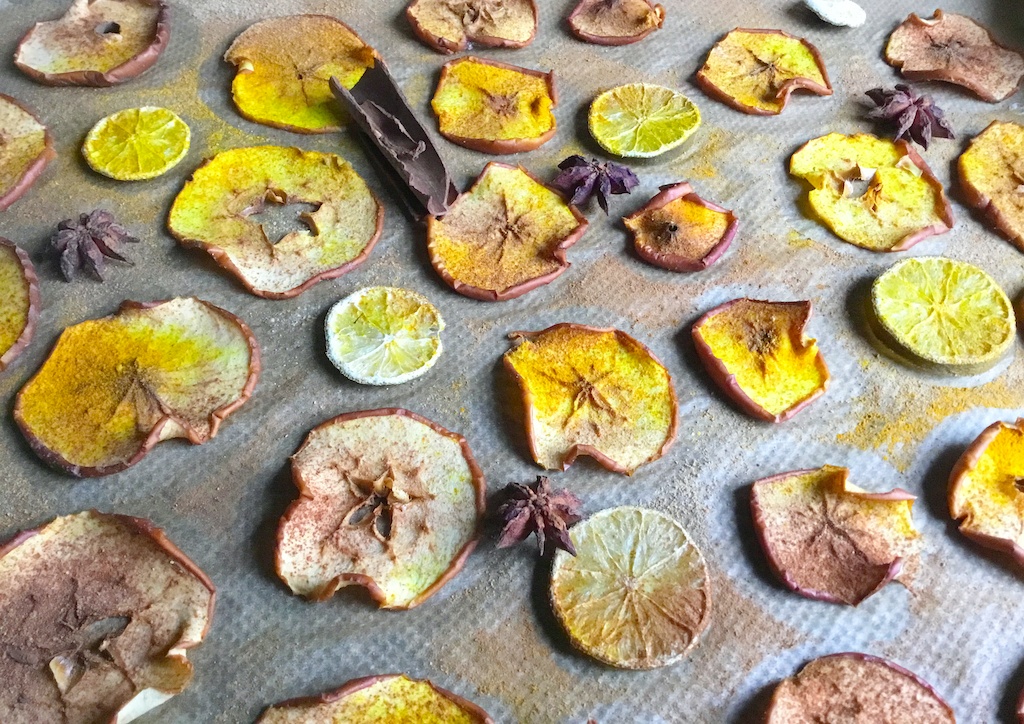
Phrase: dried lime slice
(137, 143)
(640, 120)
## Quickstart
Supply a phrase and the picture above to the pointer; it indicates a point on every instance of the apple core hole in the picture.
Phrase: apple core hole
(108, 28)
(280, 219)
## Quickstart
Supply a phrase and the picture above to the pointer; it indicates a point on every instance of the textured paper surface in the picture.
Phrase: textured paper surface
(489, 635)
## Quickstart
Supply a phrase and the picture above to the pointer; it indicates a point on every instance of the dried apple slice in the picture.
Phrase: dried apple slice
(829, 540)
(992, 177)
(97, 613)
(114, 387)
(679, 231)
(757, 352)
(615, 22)
(596, 392)
(96, 43)
(25, 149)
(19, 302)
(755, 71)
(857, 688)
(388, 500)
(384, 699)
(956, 49)
(451, 25)
(284, 67)
(218, 211)
(872, 192)
(494, 107)
(506, 235)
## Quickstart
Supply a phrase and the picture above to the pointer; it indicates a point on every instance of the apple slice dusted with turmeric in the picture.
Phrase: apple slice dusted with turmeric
(829, 540)
(992, 178)
(451, 25)
(114, 387)
(872, 192)
(755, 71)
(506, 235)
(679, 231)
(25, 149)
(615, 22)
(219, 211)
(96, 43)
(97, 614)
(383, 699)
(494, 107)
(19, 302)
(388, 500)
(757, 352)
(596, 392)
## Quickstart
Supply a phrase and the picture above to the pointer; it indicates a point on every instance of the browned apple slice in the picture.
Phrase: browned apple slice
(992, 178)
(388, 500)
(19, 302)
(855, 687)
(219, 210)
(114, 387)
(829, 540)
(96, 43)
(25, 149)
(451, 25)
(97, 614)
(384, 699)
(615, 22)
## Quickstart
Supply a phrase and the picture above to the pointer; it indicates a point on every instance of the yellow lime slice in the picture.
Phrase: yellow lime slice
(384, 335)
(641, 120)
(137, 143)
(943, 313)
(637, 593)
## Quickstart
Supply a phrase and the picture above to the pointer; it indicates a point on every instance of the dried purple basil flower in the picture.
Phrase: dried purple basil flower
(582, 179)
(86, 243)
(916, 116)
(536, 509)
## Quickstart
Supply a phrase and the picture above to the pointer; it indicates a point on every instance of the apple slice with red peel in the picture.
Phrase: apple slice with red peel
(679, 231)
(382, 699)
(596, 392)
(25, 149)
(448, 26)
(219, 210)
(832, 541)
(19, 302)
(992, 178)
(615, 22)
(757, 352)
(96, 43)
(113, 388)
(388, 500)
(97, 614)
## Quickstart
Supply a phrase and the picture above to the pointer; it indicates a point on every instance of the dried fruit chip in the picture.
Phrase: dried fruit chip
(992, 177)
(680, 231)
(942, 314)
(829, 540)
(25, 149)
(506, 235)
(755, 71)
(386, 699)
(387, 500)
(96, 43)
(451, 25)
(494, 107)
(219, 211)
(97, 613)
(956, 49)
(283, 67)
(114, 387)
(596, 392)
(857, 688)
(757, 352)
(19, 302)
(137, 143)
(874, 193)
(641, 120)
(615, 22)
(637, 594)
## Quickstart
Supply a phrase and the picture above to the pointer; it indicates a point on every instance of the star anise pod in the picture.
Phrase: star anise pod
(916, 116)
(582, 179)
(534, 508)
(87, 243)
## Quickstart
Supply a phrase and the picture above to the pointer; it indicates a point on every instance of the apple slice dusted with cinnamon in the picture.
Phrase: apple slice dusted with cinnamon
(451, 25)
(615, 22)
(19, 302)
(992, 178)
(25, 149)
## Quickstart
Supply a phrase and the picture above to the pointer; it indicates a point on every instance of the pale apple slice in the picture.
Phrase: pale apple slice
(596, 392)
(96, 43)
(829, 540)
(113, 388)
(25, 149)
(992, 178)
(451, 25)
(218, 210)
(97, 614)
(388, 500)
(382, 699)
(19, 302)
(615, 22)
